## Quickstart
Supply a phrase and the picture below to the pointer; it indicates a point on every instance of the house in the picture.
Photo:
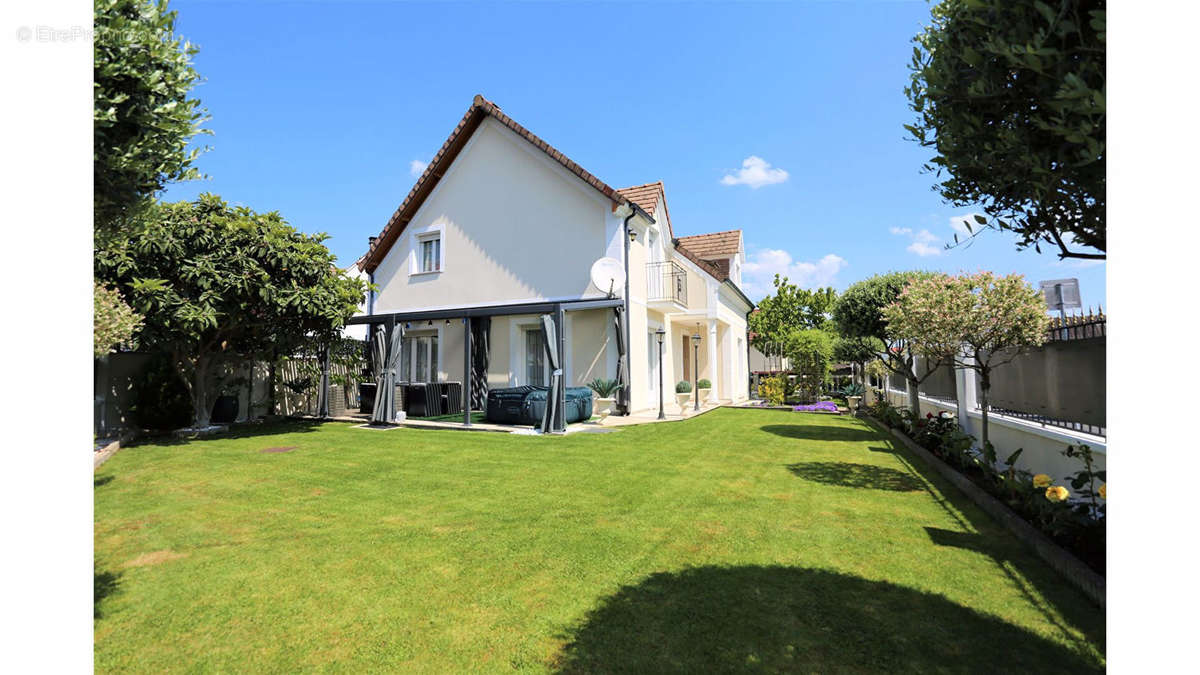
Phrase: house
(502, 228)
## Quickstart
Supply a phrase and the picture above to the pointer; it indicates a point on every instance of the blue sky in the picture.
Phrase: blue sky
(783, 120)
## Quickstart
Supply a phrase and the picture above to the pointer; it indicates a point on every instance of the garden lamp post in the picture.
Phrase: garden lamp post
(696, 366)
(660, 333)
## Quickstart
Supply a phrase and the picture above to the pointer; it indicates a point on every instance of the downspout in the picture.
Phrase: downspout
(748, 313)
(628, 344)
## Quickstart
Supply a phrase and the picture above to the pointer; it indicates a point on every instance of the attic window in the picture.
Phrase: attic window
(429, 253)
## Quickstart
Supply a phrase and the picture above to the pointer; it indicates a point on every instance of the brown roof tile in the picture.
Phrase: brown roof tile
(715, 244)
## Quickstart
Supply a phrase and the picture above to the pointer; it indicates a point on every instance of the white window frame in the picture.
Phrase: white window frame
(418, 240)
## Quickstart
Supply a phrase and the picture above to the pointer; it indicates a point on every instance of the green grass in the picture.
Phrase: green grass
(741, 540)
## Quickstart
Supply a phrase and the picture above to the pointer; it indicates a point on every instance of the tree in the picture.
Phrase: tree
(810, 351)
(1011, 95)
(143, 119)
(981, 321)
(220, 285)
(790, 308)
(858, 314)
(113, 322)
(857, 351)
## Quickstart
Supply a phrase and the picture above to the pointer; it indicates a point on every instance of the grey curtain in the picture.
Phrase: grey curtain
(385, 352)
(622, 365)
(481, 328)
(553, 418)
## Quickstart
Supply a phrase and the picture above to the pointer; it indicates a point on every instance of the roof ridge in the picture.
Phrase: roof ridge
(634, 187)
(709, 234)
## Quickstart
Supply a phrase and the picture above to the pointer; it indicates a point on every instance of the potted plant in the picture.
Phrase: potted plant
(606, 396)
(704, 387)
(853, 393)
(683, 394)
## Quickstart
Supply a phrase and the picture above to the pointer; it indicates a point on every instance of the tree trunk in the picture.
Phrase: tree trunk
(201, 410)
(985, 384)
(914, 398)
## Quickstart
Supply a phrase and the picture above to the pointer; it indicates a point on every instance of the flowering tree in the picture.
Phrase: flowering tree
(113, 321)
(979, 321)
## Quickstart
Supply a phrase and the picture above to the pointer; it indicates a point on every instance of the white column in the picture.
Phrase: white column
(965, 392)
(712, 359)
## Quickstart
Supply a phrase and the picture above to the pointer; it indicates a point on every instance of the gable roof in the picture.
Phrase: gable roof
(480, 109)
(649, 197)
(715, 244)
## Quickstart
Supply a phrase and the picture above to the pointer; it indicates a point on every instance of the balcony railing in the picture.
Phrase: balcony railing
(666, 281)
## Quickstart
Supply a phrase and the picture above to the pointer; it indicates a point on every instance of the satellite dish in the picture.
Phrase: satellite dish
(608, 275)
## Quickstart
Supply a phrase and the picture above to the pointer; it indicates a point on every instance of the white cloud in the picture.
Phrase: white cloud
(417, 167)
(763, 264)
(755, 172)
(924, 243)
(922, 249)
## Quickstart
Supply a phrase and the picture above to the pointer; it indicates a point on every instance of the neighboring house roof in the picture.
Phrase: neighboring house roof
(714, 245)
(649, 197)
(480, 108)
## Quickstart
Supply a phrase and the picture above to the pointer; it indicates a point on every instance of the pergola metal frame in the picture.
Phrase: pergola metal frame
(556, 309)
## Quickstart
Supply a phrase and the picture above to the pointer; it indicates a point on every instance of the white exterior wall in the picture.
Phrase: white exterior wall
(515, 226)
(1043, 445)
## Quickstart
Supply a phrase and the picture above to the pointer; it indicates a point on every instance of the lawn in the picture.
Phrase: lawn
(742, 540)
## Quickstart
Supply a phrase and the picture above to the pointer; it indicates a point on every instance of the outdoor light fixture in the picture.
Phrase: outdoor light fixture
(632, 234)
(696, 367)
(660, 334)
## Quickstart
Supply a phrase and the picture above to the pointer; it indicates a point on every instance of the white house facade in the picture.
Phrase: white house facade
(501, 221)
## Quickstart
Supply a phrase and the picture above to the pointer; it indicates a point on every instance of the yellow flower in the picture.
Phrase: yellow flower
(1104, 491)
(1057, 493)
(1041, 480)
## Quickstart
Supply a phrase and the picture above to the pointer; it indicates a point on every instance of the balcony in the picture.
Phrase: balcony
(666, 286)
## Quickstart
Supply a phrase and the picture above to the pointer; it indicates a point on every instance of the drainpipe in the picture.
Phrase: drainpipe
(628, 343)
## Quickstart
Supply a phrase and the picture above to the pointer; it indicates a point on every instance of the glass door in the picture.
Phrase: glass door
(535, 357)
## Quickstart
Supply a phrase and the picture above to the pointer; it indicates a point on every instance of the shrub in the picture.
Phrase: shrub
(683, 387)
(704, 384)
(772, 389)
(603, 388)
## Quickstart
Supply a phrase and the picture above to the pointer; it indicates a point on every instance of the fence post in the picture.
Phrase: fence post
(966, 394)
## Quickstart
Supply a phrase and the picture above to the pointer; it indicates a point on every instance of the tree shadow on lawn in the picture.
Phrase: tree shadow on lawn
(846, 474)
(776, 618)
(820, 432)
(244, 430)
(104, 584)
(1060, 604)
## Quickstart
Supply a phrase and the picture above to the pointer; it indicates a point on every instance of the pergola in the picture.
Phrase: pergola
(553, 314)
